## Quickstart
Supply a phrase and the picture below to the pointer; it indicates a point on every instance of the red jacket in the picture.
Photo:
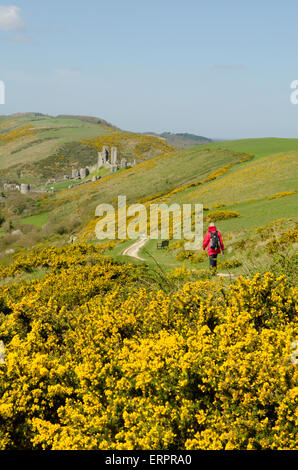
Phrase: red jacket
(207, 239)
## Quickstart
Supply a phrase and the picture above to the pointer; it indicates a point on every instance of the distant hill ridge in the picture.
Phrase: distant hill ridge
(181, 140)
(29, 114)
(91, 119)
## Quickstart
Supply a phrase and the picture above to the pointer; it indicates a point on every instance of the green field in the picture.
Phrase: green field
(46, 136)
(234, 176)
(38, 220)
(153, 178)
(258, 147)
(36, 148)
(245, 188)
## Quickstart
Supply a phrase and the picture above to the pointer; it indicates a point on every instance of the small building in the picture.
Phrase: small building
(74, 174)
(25, 188)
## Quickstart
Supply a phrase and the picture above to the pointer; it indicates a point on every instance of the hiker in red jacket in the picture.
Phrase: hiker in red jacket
(213, 241)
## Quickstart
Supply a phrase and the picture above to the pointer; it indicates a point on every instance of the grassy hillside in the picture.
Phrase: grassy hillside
(147, 182)
(258, 147)
(258, 188)
(182, 140)
(259, 191)
(34, 147)
(100, 351)
(27, 138)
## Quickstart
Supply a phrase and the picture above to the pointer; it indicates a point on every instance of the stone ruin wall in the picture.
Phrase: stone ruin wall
(106, 158)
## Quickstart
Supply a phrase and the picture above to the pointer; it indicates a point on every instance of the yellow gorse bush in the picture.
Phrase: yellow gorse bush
(282, 194)
(218, 173)
(7, 124)
(137, 144)
(222, 215)
(16, 134)
(247, 179)
(96, 360)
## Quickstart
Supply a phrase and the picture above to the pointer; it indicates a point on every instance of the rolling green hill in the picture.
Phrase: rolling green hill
(32, 144)
(182, 140)
(262, 188)
(258, 147)
(30, 137)
(35, 147)
(256, 179)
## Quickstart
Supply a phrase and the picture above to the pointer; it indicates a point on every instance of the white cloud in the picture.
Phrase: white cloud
(10, 18)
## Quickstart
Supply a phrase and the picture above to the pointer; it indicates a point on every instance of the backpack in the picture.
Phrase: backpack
(214, 240)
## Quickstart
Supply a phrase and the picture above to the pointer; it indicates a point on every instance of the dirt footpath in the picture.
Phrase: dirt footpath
(134, 249)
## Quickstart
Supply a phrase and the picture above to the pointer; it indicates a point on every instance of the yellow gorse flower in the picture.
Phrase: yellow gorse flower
(94, 359)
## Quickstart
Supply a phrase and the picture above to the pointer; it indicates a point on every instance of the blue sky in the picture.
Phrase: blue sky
(222, 69)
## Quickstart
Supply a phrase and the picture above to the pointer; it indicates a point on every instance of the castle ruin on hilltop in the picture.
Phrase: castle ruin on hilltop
(111, 161)
(106, 159)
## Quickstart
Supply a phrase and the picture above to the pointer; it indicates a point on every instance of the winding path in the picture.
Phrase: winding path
(133, 250)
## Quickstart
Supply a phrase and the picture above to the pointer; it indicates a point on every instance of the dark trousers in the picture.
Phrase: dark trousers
(213, 261)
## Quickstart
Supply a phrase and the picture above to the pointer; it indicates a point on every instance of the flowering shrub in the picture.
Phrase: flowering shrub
(16, 134)
(7, 124)
(222, 215)
(95, 360)
(290, 236)
(246, 158)
(191, 256)
(232, 263)
(248, 179)
(283, 194)
(273, 227)
(218, 173)
(278, 243)
(129, 143)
